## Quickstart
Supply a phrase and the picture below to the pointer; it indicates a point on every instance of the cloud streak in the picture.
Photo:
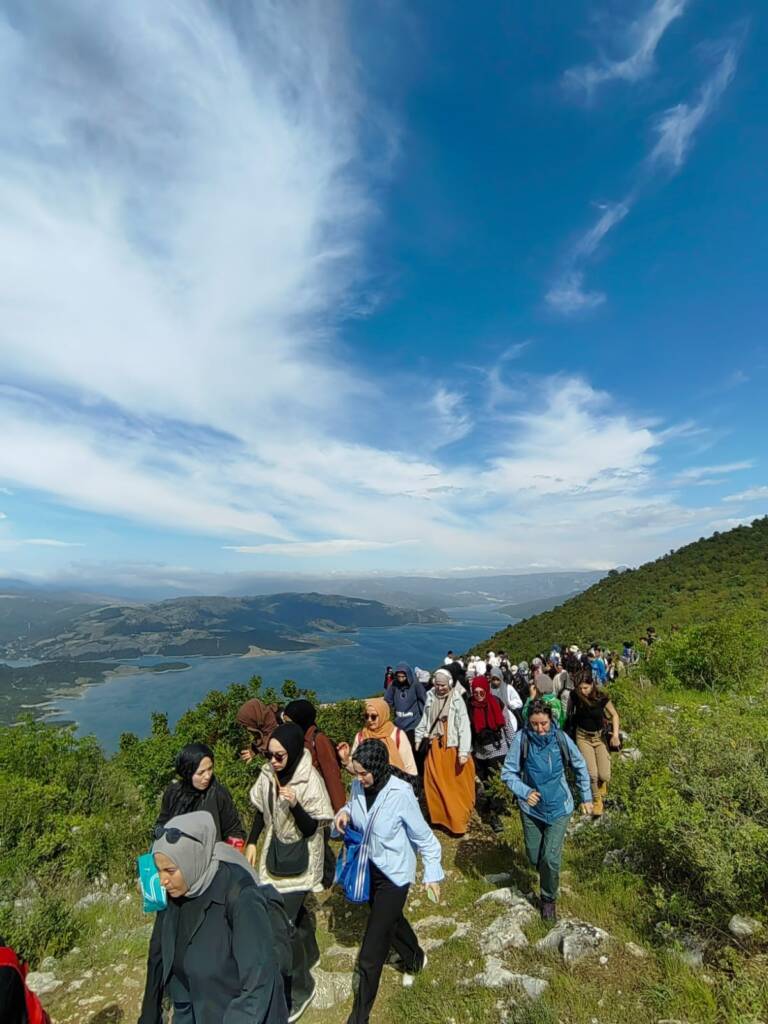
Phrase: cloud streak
(675, 130)
(639, 41)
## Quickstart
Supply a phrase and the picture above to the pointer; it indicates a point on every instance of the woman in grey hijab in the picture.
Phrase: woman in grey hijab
(212, 950)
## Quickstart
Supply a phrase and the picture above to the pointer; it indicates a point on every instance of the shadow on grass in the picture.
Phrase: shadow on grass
(109, 1015)
(483, 853)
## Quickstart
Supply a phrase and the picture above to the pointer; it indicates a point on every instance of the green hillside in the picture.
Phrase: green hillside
(699, 583)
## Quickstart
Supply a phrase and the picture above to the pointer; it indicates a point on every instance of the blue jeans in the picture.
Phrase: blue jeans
(544, 846)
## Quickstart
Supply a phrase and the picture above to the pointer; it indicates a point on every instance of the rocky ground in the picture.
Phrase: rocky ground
(490, 957)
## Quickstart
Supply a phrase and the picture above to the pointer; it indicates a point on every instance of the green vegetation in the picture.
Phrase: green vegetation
(697, 584)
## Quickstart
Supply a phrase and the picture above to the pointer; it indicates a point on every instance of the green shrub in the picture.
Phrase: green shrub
(727, 654)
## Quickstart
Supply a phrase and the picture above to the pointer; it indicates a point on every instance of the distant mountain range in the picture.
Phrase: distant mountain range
(449, 590)
(52, 627)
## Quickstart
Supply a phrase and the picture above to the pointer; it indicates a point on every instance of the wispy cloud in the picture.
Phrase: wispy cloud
(700, 472)
(677, 126)
(311, 549)
(50, 542)
(568, 294)
(675, 130)
(751, 494)
(638, 41)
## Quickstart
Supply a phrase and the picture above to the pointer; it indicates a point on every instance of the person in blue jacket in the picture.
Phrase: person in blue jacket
(407, 697)
(382, 805)
(535, 771)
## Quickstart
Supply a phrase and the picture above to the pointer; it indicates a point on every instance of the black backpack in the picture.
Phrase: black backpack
(282, 926)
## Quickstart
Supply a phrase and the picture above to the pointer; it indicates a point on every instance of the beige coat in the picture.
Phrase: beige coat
(313, 797)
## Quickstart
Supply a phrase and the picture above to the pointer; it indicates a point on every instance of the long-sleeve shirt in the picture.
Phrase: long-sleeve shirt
(324, 759)
(398, 831)
(544, 770)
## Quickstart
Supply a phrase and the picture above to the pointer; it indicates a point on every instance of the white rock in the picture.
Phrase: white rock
(43, 982)
(630, 754)
(636, 951)
(503, 933)
(744, 927)
(75, 986)
(496, 975)
(505, 895)
(574, 939)
(331, 988)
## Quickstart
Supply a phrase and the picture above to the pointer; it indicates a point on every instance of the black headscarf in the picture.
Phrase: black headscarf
(302, 713)
(374, 757)
(291, 738)
(187, 762)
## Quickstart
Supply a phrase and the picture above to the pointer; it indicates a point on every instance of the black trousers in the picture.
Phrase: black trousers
(304, 948)
(387, 929)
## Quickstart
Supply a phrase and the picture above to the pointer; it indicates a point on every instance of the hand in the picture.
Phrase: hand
(433, 887)
(287, 793)
(586, 808)
(533, 798)
(250, 854)
(341, 821)
(246, 755)
(343, 750)
(615, 742)
(463, 758)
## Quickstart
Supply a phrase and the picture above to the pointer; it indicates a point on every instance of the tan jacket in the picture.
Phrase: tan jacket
(313, 797)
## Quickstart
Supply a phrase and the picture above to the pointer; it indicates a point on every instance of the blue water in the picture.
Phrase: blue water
(124, 704)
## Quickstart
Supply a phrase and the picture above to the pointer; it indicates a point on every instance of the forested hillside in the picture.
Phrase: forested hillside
(697, 584)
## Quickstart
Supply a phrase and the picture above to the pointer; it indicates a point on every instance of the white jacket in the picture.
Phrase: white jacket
(458, 732)
(313, 797)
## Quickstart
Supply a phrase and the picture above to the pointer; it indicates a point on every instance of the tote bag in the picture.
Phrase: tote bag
(353, 869)
(154, 895)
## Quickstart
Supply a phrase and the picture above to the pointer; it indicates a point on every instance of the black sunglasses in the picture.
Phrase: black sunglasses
(173, 835)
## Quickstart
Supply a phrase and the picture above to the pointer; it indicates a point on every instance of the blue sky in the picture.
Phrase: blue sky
(325, 286)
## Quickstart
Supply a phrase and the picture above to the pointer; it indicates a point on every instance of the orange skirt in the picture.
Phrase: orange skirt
(449, 787)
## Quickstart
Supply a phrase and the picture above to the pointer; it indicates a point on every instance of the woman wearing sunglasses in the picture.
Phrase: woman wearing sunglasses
(379, 727)
(292, 806)
(213, 950)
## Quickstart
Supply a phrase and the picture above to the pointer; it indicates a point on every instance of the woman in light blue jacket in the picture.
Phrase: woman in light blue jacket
(535, 771)
(386, 805)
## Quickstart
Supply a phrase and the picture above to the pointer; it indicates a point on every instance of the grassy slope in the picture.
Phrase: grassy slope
(730, 990)
(696, 584)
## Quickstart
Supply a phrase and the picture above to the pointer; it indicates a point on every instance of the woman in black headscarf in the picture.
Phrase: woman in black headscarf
(383, 807)
(198, 789)
(292, 806)
(213, 949)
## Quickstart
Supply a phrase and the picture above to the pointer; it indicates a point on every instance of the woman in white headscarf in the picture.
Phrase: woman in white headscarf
(213, 949)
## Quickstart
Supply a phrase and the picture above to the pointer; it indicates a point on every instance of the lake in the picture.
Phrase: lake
(124, 704)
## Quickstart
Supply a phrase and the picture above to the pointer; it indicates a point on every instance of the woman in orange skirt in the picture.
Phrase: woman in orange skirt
(449, 772)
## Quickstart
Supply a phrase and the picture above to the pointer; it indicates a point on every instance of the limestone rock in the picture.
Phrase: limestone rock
(744, 927)
(636, 951)
(574, 939)
(503, 933)
(630, 754)
(43, 982)
(496, 975)
(502, 878)
(331, 988)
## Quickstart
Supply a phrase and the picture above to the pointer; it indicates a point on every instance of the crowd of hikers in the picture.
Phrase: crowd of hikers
(234, 935)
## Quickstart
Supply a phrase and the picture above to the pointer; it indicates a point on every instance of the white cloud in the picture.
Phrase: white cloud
(695, 473)
(310, 549)
(568, 294)
(751, 494)
(677, 126)
(639, 41)
(50, 542)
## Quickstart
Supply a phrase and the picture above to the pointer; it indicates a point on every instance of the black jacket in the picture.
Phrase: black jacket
(230, 961)
(217, 800)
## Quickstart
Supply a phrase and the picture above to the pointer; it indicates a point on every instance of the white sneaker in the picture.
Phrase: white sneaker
(296, 1013)
(408, 979)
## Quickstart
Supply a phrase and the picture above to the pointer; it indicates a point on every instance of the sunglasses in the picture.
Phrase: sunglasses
(173, 834)
(371, 718)
(273, 755)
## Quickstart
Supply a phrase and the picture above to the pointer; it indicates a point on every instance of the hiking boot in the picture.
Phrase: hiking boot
(548, 910)
(297, 1012)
